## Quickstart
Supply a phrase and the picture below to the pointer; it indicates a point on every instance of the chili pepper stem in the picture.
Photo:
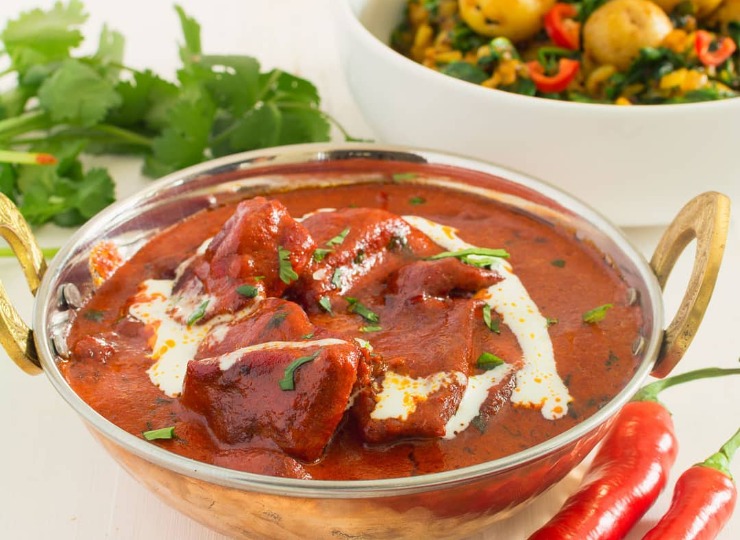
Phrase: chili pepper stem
(721, 460)
(650, 391)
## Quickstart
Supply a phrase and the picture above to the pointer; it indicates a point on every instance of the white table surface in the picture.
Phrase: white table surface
(56, 482)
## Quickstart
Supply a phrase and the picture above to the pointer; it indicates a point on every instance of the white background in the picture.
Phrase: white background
(55, 482)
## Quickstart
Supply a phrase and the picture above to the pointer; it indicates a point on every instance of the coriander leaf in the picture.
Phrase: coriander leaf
(370, 328)
(110, 53)
(465, 255)
(184, 141)
(289, 88)
(597, 314)
(400, 177)
(77, 94)
(551, 321)
(94, 192)
(287, 274)
(338, 239)
(288, 380)
(276, 320)
(234, 82)
(256, 128)
(145, 100)
(559, 263)
(363, 311)
(198, 314)
(491, 323)
(488, 361)
(191, 32)
(415, 201)
(248, 291)
(8, 181)
(301, 123)
(325, 303)
(336, 278)
(163, 433)
(40, 37)
(320, 253)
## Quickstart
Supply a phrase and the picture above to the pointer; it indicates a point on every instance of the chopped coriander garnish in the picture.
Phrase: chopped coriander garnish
(613, 358)
(363, 311)
(488, 361)
(258, 278)
(248, 291)
(398, 242)
(288, 381)
(560, 263)
(338, 239)
(551, 321)
(360, 257)
(415, 201)
(336, 278)
(162, 433)
(320, 253)
(94, 315)
(287, 274)
(325, 303)
(491, 323)
(277, 319)
(465, 253)
(399, 177)
(370, 328)
(597, 314)
(307, 336)
(198, 314)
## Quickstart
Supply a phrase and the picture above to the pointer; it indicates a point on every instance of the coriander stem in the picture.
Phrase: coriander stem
(26, 158)
(125, 134)
(325, 114)
(30, 121)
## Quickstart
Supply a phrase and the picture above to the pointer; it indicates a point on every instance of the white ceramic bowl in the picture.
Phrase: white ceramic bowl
(637, 164)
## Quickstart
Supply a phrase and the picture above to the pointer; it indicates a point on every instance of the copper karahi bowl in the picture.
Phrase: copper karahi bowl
(455, 503)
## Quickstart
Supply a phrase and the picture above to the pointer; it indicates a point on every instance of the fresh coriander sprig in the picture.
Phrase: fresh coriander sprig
(66, 103)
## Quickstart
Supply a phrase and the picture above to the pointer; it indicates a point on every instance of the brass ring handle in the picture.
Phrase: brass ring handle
(705, 218)
(15, 335)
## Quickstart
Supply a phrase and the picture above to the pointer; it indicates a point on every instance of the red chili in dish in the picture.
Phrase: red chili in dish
(703, 499)
(708, 57)
(559, 81)
(561, 28)
(629, 471)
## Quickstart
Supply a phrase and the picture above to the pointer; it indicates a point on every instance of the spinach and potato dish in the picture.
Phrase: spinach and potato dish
(626, 52)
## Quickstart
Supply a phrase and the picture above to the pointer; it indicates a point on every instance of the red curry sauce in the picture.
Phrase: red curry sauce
(565, 278)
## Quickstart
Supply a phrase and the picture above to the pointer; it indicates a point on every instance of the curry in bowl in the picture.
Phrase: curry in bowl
(595, 51)
(391, 327)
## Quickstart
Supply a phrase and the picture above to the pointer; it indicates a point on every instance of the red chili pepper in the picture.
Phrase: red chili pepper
(713, 58)
(703, 499)
(561, 28)
(567, 70)
(629, 470)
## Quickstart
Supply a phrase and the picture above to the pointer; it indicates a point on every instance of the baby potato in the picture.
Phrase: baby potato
(702, 8)
(729, 11)
(615, 33)
(514, 19)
